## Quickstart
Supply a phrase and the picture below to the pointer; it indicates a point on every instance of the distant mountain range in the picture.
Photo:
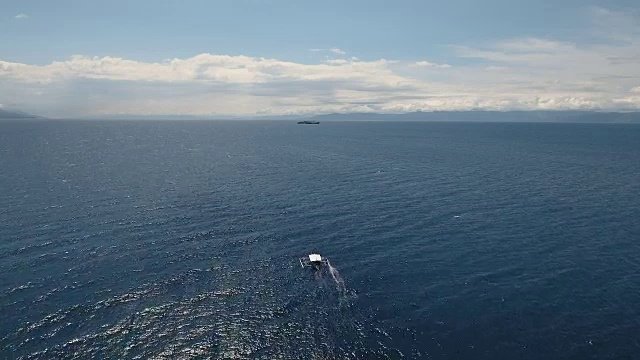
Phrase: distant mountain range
(492, 116)
(6, 114)
(559, 116)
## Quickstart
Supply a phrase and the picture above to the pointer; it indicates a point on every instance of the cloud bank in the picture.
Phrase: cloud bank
(524, 73)
(21, 16)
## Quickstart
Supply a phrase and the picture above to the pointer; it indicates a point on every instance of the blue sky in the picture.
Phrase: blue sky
(74, 58)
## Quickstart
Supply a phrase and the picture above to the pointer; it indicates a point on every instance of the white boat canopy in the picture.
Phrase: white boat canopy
(315, 258)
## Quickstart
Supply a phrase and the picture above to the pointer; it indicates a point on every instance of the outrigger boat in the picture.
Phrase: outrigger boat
(314, 261)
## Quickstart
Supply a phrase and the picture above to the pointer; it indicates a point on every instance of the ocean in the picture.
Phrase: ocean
(182, 239)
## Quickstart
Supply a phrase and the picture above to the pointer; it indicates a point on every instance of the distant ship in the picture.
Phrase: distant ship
(309, 122)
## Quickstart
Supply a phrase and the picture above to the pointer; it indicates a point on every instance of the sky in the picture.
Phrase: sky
(90, 58)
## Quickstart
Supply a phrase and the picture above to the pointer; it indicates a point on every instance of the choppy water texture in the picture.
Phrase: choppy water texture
(175, 240)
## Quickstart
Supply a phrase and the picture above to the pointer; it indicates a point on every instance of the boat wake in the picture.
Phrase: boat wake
(335, 274)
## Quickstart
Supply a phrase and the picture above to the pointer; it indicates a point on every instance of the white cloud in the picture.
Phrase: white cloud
(21, 16)
(517, 73)
(337, 61)
(521, 51)
(203, 68)
(207, 84)
(202, 84)
(332, 50)
(427, 64)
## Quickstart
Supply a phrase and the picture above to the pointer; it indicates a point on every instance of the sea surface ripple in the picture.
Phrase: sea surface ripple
(180, 239)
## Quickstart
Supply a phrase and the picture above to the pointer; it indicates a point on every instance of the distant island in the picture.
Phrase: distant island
(5, 114)
(559, 116)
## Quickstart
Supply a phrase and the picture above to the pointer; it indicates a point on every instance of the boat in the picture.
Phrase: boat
(309, 122)
(315, 261)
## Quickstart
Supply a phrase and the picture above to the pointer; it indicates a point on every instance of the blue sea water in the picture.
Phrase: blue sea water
(181, 239)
